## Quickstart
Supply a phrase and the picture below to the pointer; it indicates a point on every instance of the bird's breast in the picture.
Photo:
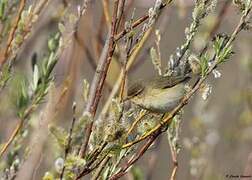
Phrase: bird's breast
(161, 100)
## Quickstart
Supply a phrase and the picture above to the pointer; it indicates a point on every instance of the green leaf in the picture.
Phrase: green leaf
(204, 65)
(3, 4)
(35, 77)
(52, 44)
(21, 93)
(225, 54)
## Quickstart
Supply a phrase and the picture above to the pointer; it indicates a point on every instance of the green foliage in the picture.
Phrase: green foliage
(3, 5)
(78, 128)
(74, 160)
(115, 110)
(204, 64)
(42, 75)
(110, 130)
(114, 149)
(5, 75)
(48, 176)
(201, 10)
(222, 52)
(20, 94)
(60, 135)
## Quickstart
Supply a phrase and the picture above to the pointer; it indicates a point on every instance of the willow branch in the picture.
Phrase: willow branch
(99, 79)
(12, 32)
(187, 97)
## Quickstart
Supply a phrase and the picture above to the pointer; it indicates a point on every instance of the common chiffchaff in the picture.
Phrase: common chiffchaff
(159, 94)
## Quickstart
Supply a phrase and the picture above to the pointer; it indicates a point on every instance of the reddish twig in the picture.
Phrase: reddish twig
(135, 157)
(99, 78)
(155, 132)
(67, 149)
(135, 24)
(17, 129)
(87, 169)
(101, 167)
(12, 32)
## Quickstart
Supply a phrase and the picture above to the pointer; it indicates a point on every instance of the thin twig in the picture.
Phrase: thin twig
(216, 25)
(12, 32)
(138, 119)
(67, 149)
(134, 158)
(174, 159)
(174, 171)
(124, 68)
(130, 62)
(17, 129)
(87, 168)
(134, 53)
(187, 97)
(30, 109)
(101, 167)
(158, 129)
(99, 78)
(35, 12)
(137, 23)
(12, 137)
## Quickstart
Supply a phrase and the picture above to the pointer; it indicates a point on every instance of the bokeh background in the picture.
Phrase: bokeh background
(215, 135)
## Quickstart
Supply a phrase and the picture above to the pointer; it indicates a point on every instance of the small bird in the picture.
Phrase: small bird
(159, 94)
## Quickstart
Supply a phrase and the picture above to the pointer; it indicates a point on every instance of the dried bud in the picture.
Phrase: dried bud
(194, 64)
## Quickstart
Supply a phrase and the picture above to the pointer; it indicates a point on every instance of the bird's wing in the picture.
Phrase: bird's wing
(167, 82)
(135, 89)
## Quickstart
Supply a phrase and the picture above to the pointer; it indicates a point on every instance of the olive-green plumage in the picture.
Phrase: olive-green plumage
(159, 94)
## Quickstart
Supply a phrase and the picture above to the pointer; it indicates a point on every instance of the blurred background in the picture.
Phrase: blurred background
(215, 134)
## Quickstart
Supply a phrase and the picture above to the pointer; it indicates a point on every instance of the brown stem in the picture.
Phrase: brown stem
(155, 132)
(174, 171)
(134, 158)
(12, 32)
(16, 130)
(186, 98)
(67, 149)
(12, 137)
(101, 167)
(99, 78)
(136, 23)
(87, 169)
